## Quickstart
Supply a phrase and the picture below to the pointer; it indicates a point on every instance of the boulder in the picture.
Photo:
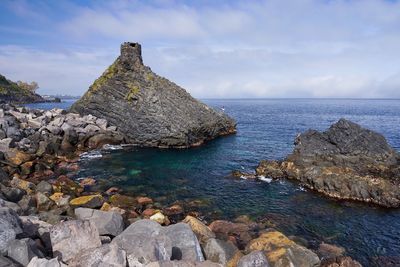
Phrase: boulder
(145, 241)
(345, 262)
(7, 262)
(37, 262)
(183, 264)
(106, 255)
(223, 230)
(44, 187)
(23, 250)
(281, 251)
(10, 227)
(11, 205)
(107, 222)
(219, 251)
(344, 162)
(43, 203)
(148, 109)
(28, 205)
(12, 194)
(326, 251)
(202, 231)
(34, 228)
(255, 259)
(73, 237)
(124, 202)
(160, 218)
(91, 201)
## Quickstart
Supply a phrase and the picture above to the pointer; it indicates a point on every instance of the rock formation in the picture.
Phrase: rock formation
(148, 109)
(345, 162)
(10, 92)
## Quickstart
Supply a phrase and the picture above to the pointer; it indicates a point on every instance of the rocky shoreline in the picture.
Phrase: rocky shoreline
(345, 162)
(48, 219)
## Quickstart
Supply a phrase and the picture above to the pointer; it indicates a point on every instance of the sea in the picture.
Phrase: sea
(266, 130)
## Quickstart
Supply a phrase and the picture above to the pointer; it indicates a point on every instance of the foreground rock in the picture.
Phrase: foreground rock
(345, 162)
(72, 237)
(148, 109)
(145, 241)
(107, 223)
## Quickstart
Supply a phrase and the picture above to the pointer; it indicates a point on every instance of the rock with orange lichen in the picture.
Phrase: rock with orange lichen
(91, 201)
(281, 251)
(65, 185)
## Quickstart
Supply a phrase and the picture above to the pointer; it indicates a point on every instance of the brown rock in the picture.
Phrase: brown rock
(65, 185)
(342, 262)
(201, 230)
(87, 182)
(330, 251)
(143, 201)
(122, 201)
(147, 213)
(224, 229)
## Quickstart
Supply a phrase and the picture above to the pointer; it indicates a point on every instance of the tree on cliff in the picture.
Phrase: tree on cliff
(32, 87)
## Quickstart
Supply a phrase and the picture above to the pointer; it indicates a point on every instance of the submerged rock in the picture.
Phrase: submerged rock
(345, 162)
(148, 109)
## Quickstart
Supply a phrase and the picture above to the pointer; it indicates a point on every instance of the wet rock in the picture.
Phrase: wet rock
(91, 201)
(143, 201)
(329, 251)
(243, 175)
(342, 262)
(345, 162)
(239, 231)
(10, 227)
(219, 251)
(107, 223)
(72, 237)
(121, 201)
(23, 250)
(202, 231)
(65, 185)
(254, 259)
(99, 140)
(142, 102)
(106, 255)
(146, 241)
(281, 251)
(37, 262)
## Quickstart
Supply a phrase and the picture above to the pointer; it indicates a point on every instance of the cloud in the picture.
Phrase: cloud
(300, 48)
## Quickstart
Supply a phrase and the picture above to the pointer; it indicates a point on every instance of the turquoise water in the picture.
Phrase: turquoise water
(266, 130)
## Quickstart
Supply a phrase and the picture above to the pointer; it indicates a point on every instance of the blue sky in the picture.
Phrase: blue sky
(214, 49)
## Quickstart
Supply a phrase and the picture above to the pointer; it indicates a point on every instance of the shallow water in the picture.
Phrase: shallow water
(266, 130)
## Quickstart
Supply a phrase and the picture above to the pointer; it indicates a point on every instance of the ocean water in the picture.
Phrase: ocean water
(266, 130)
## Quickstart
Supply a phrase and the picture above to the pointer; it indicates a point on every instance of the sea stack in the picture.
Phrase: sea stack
(346, 162)
(148, 109)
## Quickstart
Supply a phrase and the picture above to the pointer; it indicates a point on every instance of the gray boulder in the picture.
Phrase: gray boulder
(7, 262)
(34, 228)
(44, 187)
(7, 204)
(148, 109)
(37, 262)
(72, 237)
(183, 264)
(107, 222)
(10, 227)
(145, 241)
(108, 255)
(23, 250)
(254, 259)
(219, 251)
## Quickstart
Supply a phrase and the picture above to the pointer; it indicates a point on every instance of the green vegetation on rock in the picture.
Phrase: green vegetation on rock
(133, 91)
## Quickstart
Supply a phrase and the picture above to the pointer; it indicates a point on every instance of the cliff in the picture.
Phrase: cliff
(10, 92)
(150, 110)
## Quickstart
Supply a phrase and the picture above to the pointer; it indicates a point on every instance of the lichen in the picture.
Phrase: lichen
(108, 74)
(133, 91)
(149, 77)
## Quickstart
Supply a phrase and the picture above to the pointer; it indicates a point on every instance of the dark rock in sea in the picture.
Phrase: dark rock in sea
(148, 109)
(344, 162)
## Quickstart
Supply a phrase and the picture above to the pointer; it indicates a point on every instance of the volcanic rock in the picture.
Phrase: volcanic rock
(148, 109)
(344, 162)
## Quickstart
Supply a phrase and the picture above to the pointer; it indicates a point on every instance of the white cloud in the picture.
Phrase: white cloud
(299, 48)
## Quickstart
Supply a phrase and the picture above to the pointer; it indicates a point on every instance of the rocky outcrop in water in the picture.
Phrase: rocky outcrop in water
(344, 162)
(10, 92)
(148, 109)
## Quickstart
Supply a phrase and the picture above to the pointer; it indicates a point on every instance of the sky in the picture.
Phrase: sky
(212, 48)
